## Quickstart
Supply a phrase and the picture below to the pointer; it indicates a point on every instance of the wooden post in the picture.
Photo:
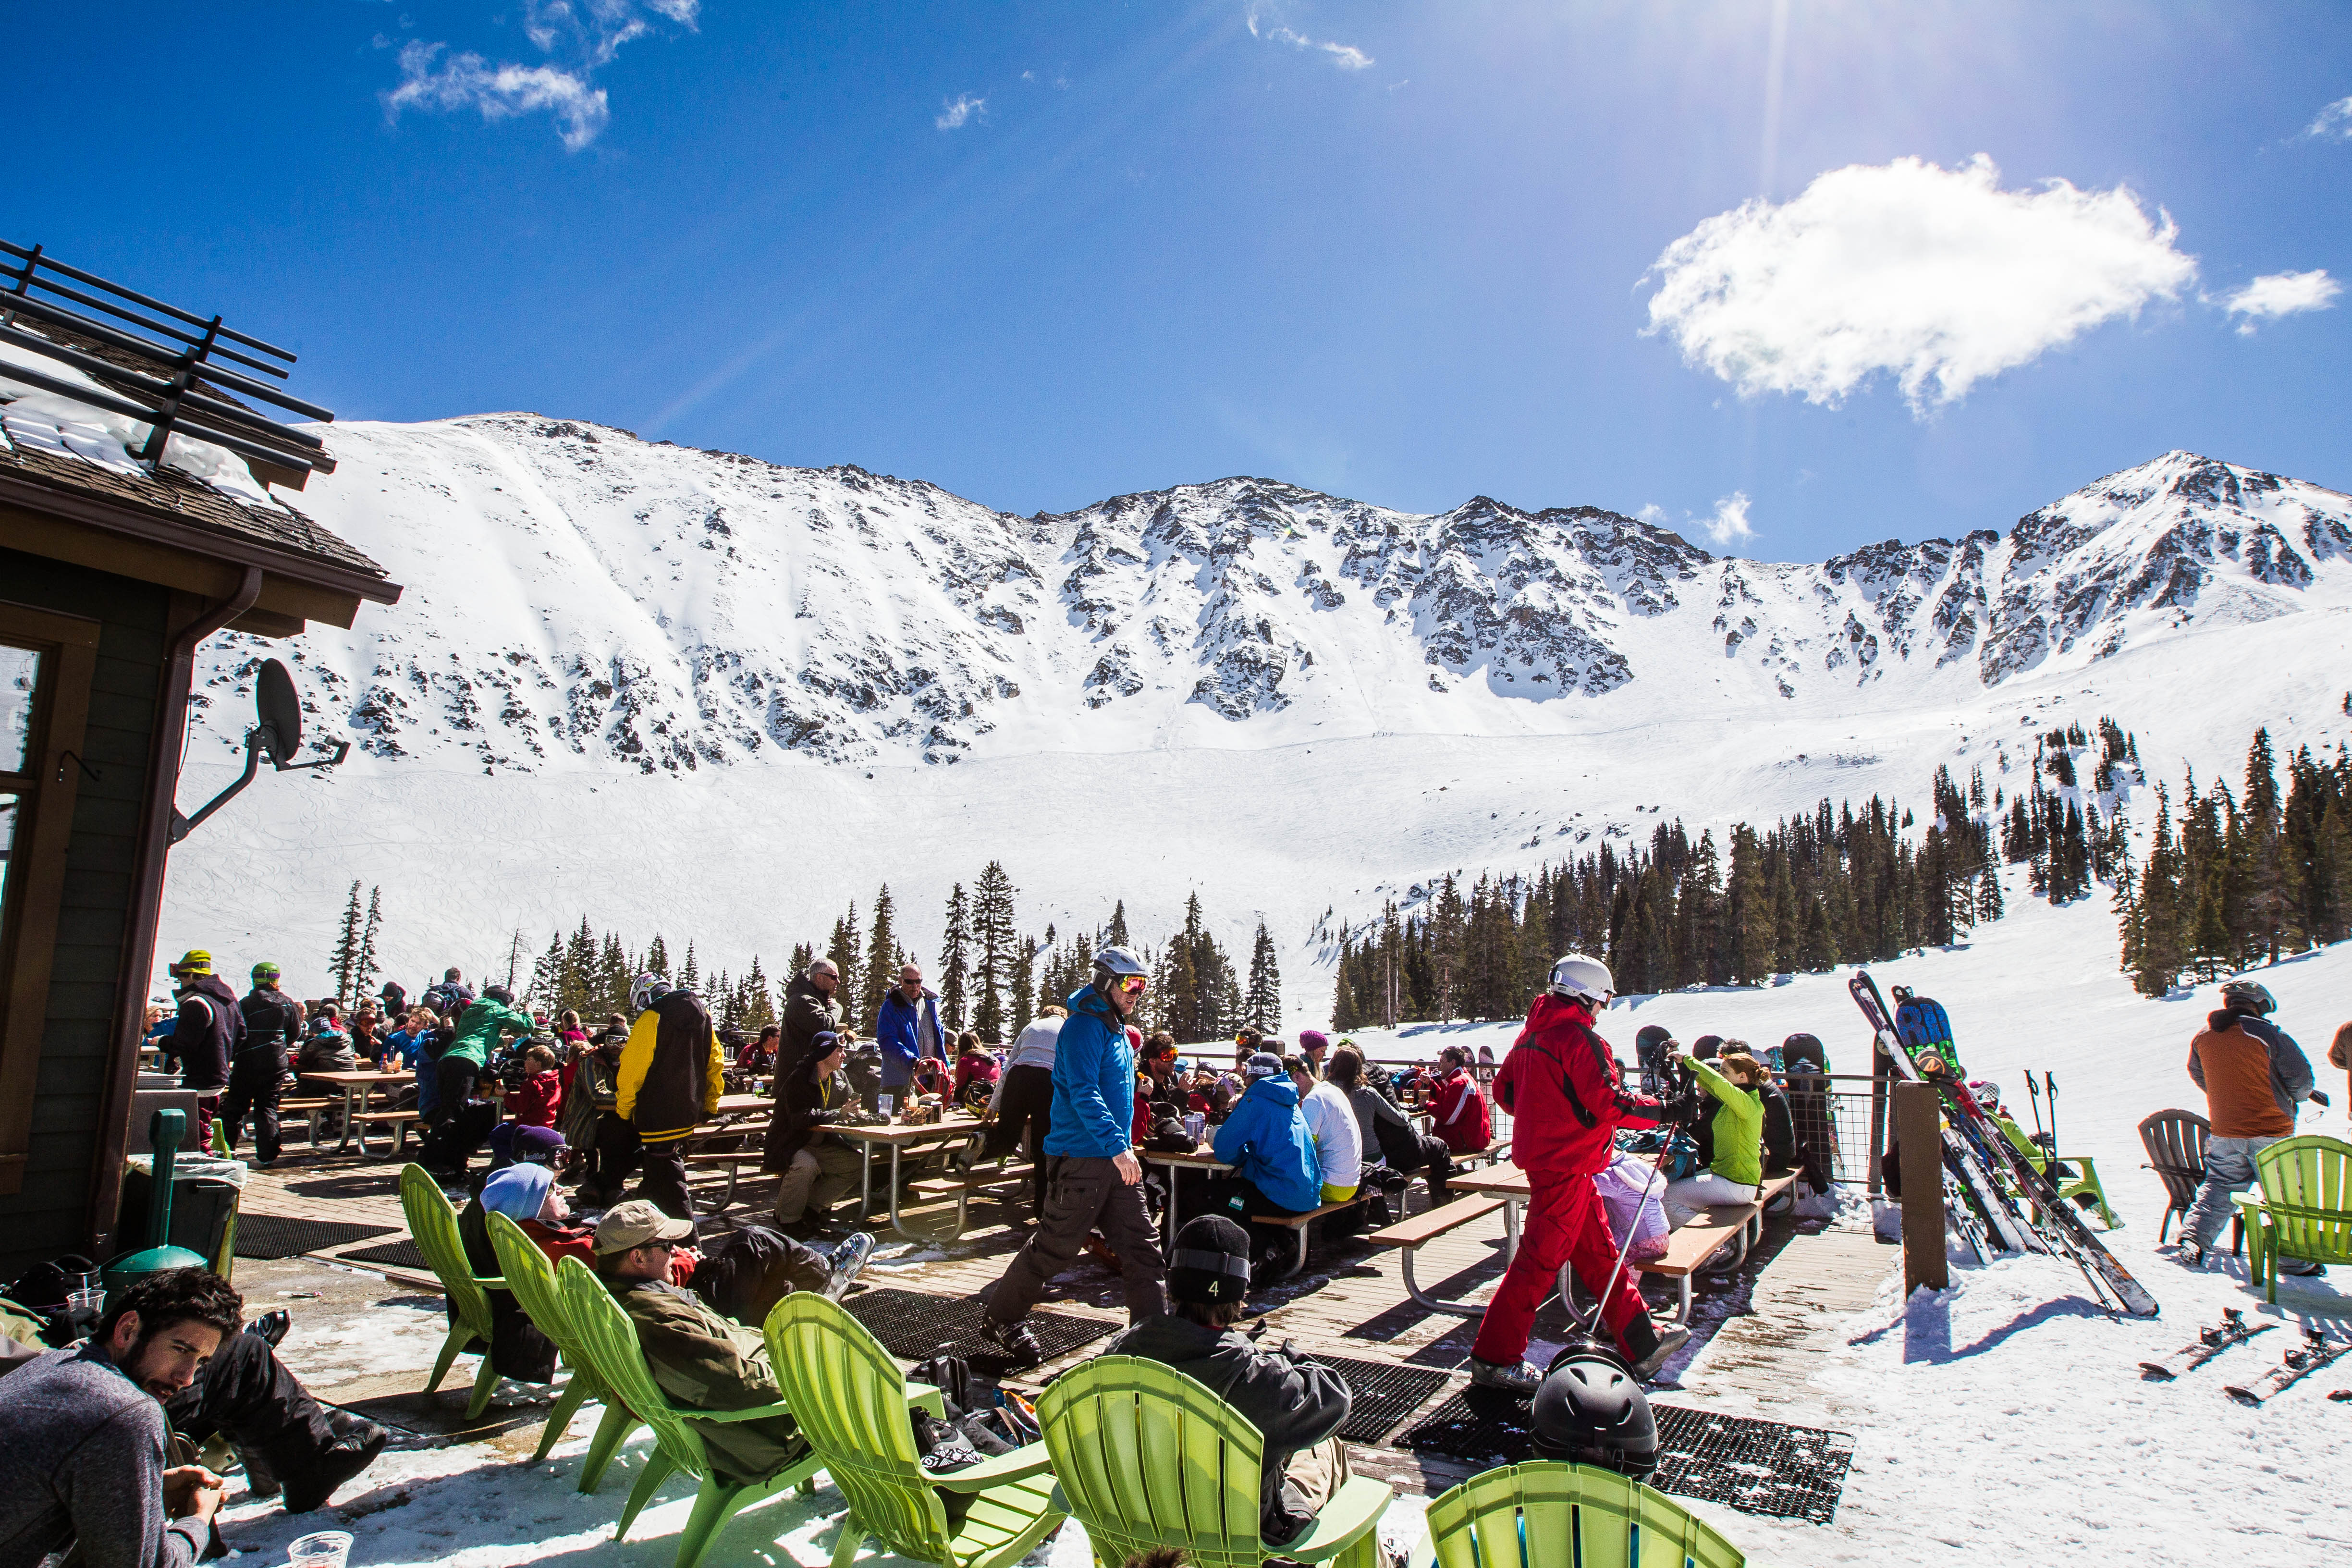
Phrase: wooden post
(1919, 1139)
(1880, 1076)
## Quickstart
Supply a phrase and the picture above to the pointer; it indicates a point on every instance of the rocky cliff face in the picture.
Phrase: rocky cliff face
(579, 598)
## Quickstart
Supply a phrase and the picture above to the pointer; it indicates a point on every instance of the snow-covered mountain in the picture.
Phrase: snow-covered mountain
(594, 622)
(578, 596)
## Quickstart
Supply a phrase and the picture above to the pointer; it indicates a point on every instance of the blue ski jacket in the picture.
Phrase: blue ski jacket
(1094, 1082)
(1266, 1141)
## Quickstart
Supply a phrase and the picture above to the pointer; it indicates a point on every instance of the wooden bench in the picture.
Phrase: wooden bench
(1301, 1224)
(1412, 1234)
(399, 1120)
(732, 1160)
(963, 1184)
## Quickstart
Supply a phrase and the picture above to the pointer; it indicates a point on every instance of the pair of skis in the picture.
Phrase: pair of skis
(1991, 1170)
(2315, 1351)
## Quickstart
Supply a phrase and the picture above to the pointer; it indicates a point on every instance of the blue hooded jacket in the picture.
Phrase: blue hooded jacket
(1266, 1142)
(897, 1028)
(1094, 1082)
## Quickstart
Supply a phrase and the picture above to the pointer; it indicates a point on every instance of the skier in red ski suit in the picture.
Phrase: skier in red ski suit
(1567, 1098)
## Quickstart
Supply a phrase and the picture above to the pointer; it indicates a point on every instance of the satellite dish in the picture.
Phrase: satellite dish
(280, 711)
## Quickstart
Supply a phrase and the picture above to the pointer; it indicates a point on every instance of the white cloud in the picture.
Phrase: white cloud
(585, 35)
(500, 92)
(1936, 276)
(1347, 56)
(953, 116)
(2276, 294)
(2335, 120)
(1728, 526)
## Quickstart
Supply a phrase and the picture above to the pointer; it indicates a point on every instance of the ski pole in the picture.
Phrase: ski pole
(2051, 1080)
(2033, 1093)
(1657, 1169)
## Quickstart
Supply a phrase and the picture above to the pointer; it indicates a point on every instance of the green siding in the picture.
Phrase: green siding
(48, 1216)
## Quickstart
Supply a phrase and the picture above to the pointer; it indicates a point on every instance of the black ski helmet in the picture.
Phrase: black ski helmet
(499, 994)
(1591, 1411)
(2249, 996)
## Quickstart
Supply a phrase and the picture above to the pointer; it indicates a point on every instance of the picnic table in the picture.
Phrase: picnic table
(1200, 1159)
(358, 1088)
(955, 1127)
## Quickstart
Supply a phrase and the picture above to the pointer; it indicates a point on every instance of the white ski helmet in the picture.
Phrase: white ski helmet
(1118, 961)
(1586, 979)
(646, 990)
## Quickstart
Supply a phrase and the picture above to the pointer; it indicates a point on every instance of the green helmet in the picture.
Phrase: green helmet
(265, 971)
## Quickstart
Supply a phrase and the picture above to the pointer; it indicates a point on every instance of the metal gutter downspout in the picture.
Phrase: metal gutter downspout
(146, 913)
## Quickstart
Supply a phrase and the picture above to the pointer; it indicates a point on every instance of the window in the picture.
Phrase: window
(46, 663)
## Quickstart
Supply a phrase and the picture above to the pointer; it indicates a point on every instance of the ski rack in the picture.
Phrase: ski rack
(1993, 1169)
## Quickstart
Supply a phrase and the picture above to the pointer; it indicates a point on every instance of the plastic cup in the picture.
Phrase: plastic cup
(1195, 1123)
(326, 1548)
(886, 1104)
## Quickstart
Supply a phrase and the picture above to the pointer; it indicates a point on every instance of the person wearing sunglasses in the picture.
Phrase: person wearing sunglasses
(1094, 1182)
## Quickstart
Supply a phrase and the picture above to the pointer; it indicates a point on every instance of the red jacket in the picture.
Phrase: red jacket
(1460, 1113)
(1554, 1057)
(535, 1104)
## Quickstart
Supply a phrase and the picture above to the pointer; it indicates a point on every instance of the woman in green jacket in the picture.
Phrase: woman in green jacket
(1738, 1124)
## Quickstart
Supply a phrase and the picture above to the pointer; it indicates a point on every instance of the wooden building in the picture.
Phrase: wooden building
(113, 568)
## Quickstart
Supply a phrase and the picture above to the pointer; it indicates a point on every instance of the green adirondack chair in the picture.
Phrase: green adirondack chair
(2302, 1208)
(1147, 1456)
(532, 1278)
(610, 1341)
(1546, 1514)
(851, 1399)
(2084, 1182)
(434, 1224)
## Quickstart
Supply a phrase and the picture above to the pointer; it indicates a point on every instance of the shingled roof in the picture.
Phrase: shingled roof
(186, 501)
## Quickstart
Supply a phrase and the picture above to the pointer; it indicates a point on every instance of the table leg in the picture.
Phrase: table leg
(865, 1177)
(344, 1145)
(901, 1229)
(1167, 1220)
(1510, 1231)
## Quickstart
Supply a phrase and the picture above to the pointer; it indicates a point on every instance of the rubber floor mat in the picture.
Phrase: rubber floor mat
(402, 1253)
(1477, 1425)
(913, 1326)
(280, 1236)
(1380, 1393)
(1757, 1467)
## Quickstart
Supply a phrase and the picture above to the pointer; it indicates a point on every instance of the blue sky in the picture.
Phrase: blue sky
(1044, 253)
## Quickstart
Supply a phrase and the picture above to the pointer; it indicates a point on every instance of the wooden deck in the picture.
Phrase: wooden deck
(1762, 1329)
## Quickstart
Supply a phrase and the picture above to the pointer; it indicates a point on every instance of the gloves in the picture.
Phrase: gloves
(823, 1118)
(2318, 1098)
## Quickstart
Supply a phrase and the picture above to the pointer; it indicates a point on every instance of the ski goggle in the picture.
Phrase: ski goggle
(1129, 985)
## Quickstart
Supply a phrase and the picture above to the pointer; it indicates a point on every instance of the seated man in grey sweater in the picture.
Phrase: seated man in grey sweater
(84, 1464)
(1297, 1404)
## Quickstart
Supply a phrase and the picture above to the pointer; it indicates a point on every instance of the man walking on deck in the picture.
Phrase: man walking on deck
(1093, 1179)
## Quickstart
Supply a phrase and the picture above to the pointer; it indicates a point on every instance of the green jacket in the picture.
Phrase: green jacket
(481, 1024)
(702, 1361)
(1738, 1128)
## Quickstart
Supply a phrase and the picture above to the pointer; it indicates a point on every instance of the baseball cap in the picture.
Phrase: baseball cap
(636, 1223)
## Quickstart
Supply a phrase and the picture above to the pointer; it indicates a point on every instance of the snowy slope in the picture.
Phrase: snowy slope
(700, 694)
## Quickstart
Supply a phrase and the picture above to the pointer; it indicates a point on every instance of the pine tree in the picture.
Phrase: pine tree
(881, 955)
(370, 966)
(546, 977)
(658, 957)
(1261, 1006)
(955, 959)
(345, 961)
(1749, 911)
(1021, 1001)
(759, 1001)
(995, 940)
(847, 958)
(1114, 935)
(803, 956)
(690, 974)
(612, 976)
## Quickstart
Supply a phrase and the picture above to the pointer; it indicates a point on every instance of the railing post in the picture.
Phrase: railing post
(1879, 1063)
(1919, 1138)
